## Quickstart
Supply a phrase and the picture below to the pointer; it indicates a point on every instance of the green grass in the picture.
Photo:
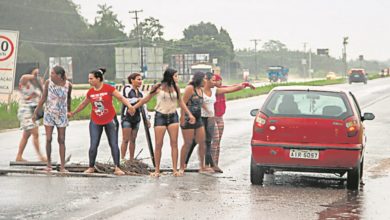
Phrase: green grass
(8, 115)
(9, 118)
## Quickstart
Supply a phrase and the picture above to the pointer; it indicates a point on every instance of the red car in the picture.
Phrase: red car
(309, 129)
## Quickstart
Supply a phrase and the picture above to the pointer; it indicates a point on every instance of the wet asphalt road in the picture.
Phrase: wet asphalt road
(194, 196)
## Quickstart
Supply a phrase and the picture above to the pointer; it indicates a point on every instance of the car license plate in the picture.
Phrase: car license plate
(304, 154)
(356, 76)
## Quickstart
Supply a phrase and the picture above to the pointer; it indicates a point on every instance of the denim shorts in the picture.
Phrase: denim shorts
(198, 123)
(161, 119)
(129, 124)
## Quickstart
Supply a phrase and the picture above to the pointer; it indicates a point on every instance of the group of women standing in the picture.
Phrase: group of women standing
(197, 117)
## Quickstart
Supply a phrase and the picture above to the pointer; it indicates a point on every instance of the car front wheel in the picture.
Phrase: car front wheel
(257, 173)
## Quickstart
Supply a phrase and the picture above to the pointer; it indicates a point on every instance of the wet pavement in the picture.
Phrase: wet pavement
(284, 195)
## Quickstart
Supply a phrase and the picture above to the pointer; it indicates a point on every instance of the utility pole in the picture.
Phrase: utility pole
(310, 70)
(345, 42)
(255, 41)
(304, 62)
(139, 38)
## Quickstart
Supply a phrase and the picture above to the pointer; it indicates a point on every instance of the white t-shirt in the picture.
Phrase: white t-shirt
(209, 103)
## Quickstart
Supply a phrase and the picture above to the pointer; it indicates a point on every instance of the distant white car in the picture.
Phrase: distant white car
(331, 76)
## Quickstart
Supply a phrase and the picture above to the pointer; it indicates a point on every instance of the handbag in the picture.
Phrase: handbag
(40, 113)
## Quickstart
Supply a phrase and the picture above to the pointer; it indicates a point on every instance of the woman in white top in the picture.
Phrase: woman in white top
(209, 98)
(166, 118)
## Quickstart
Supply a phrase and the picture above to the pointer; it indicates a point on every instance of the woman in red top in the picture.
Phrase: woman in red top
(103, 115)
(219, 109)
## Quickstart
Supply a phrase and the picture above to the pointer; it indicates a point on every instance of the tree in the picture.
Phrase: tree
(274, 46)
(107, 25)
(150, 29)
(201, 29)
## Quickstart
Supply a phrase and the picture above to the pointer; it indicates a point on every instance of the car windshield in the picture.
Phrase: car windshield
(307, 104)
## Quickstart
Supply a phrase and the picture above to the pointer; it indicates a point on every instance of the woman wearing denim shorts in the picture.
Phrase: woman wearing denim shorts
(103, 116)
(130, 123)
(209, 98)
(166, 119)
(193, 97)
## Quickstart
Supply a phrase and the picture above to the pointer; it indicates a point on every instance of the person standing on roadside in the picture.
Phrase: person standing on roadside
(130, 123)
(209, 98)
(166, 117)
(219, 110)
(103, 116)
(193, 98)
(57, 96)
(30, 89)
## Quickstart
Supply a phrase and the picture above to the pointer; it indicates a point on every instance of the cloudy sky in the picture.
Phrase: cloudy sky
(319, 23)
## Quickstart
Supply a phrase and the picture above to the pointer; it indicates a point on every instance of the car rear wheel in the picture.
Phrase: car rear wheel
(353, 177)
(257, 173)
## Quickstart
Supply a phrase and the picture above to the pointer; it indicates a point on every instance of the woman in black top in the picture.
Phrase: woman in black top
(193, 98)
(130, 123)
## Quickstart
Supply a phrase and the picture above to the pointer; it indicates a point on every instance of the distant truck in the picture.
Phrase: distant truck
(201, 67)
(277, 73)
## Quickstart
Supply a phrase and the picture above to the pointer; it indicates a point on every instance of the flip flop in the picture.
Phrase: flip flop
(68, 158)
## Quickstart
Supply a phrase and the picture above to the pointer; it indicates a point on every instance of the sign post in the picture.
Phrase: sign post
(8, 54)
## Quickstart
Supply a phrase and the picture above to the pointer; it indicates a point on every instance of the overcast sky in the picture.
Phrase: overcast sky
(319, 23)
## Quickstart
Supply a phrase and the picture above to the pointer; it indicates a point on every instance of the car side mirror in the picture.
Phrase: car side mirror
(253, 112)
(368, 116)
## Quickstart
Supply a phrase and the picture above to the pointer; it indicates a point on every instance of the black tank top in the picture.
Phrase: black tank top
(130, 95)
(195, 103)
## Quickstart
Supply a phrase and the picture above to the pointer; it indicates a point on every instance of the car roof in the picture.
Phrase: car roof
(310, 88)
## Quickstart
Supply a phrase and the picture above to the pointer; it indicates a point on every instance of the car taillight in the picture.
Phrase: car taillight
(352, 126)
(261, 120)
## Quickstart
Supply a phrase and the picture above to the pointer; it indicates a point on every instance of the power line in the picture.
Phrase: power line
(76, 44)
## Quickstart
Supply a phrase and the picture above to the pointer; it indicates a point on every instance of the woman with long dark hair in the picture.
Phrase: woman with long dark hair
(166, 118)
(209, 98)
(193, 98)
(57, 96)
(103, 116)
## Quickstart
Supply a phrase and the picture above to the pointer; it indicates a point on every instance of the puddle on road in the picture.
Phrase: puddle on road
(370, 202)
(349, 207)
(381, 169)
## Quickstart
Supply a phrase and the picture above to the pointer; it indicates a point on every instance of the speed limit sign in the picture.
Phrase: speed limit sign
(8, 55)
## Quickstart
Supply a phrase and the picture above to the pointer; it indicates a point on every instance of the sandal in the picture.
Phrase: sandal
(155, 174)
(89, 170)
(177, 173)
(119, 172)
(47, 169)
(64, 171)
(206, 170)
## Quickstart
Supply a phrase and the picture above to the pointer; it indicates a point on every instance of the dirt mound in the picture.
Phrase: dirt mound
(133, 168)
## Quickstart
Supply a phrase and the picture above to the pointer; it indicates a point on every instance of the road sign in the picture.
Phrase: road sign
(323, 51)
(8, 55)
